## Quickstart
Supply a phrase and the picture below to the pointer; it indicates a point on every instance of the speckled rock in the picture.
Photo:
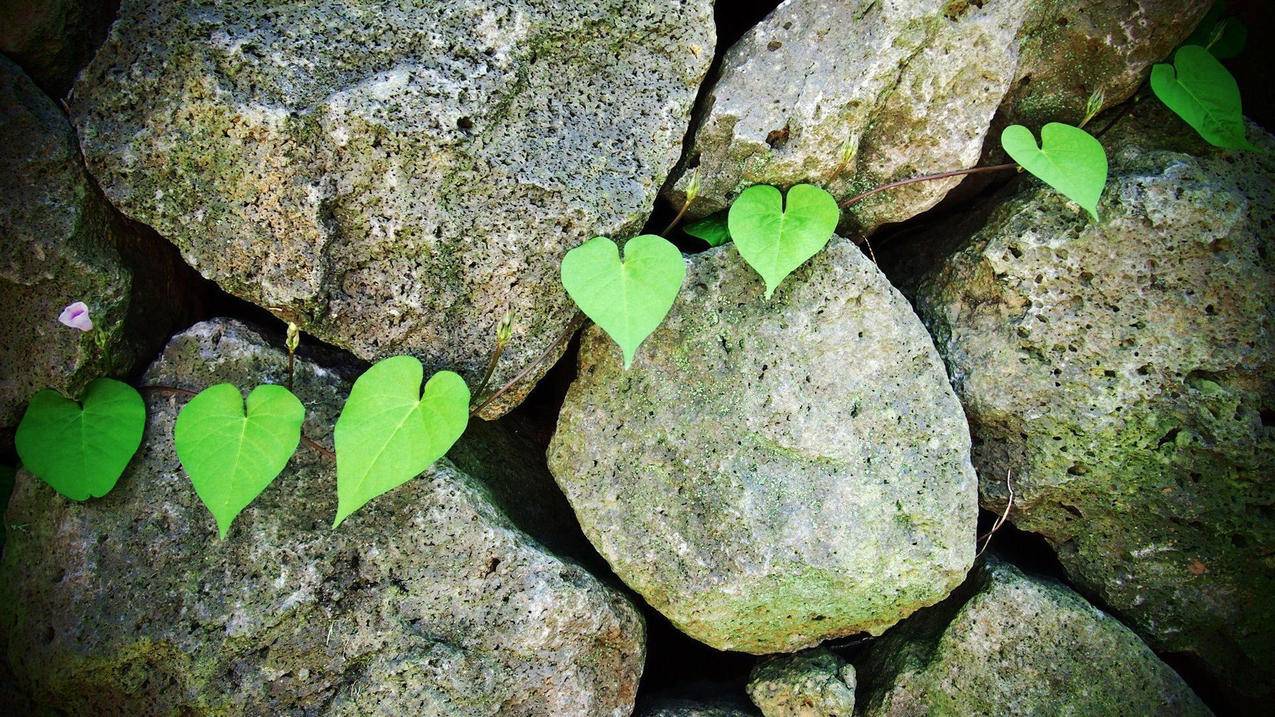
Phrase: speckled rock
(395, 175)
(429, 601)
(52, 39)
(814, 683)
(1124, 373)
(851, 95)
(1020, 645)
(60, 245)
(770, 474)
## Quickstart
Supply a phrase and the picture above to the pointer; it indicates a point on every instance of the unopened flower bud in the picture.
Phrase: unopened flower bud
(293, 339)
(1093, 106)
(505, 329)
(692, 187)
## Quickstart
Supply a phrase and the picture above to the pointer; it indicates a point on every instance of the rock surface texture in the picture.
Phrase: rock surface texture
(1019, 646)
(59, 243)
(394, 175)
(851, 95)
(427, 602)
(1124, 373)
(770, 474)
(694, 708)
(814, 683)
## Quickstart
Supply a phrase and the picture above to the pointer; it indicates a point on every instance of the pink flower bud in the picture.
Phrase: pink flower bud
(77, 317)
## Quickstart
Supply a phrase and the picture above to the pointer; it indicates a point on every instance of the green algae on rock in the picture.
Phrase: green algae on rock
(1012, 644)
(1124, 372)
(429, 601)
(772, 473)
(395, 176)
(812, 683)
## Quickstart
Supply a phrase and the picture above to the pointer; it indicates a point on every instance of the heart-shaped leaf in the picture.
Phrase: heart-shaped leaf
(775, 239)
(231, 457)
(630, 299)
(81, 452)
(712, 229)
(1068, 159)
(388, 433)
(1204, 94)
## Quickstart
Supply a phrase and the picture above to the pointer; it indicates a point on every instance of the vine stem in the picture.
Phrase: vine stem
(677, 218)
(572, 326)
(846, 204)
(187, 393)
(987, 538)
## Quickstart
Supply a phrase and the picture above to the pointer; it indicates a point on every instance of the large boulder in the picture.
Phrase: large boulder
(1123, 373)
(61, 243)
(773, 473)
(395, 176)
(812, 683)
(851, 95)
(427, 601)
(1012, 644)
(53, 39)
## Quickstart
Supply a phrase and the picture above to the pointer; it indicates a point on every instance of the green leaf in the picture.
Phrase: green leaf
(388, 433)
(1204, 94)
(714, 230)
(81, 452)
(630, 299)
(1221, 35)
(231, 457)
(1069, 159)
(775, 239)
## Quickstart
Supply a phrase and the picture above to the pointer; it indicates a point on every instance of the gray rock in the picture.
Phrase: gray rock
(852, 95)
(1124, 372)
(814, 683)
(771, 474)
(1019, 645)
(61, 244)
(428, 601)
(53, 39)
(393, 175)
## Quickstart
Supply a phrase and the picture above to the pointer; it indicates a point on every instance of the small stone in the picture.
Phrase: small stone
(814, 683)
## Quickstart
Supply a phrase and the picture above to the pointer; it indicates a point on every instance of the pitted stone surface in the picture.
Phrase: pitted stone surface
(1123, 373)
(394, 175)
(771, 474)
(428, 601)
(852, 95)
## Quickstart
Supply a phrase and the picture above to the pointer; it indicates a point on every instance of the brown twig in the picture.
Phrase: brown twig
(846, 204)
(987, 537)
(187, 393)
(572, 326)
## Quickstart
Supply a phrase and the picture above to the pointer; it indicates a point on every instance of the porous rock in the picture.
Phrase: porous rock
(62, 244)
(852, 95)
(427, 601)
(395, 176)
(1122, 373)
(772, 473)
(1019, 645)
